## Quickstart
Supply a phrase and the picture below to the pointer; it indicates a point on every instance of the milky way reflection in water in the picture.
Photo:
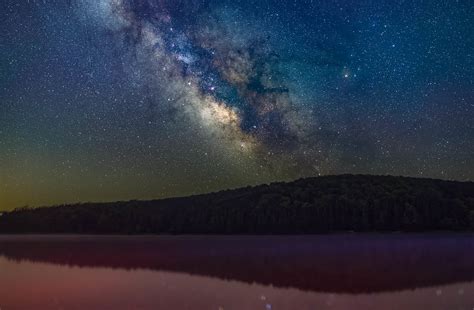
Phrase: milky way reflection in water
(310, 272)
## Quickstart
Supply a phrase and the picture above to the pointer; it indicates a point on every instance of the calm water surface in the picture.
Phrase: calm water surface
(249, 272)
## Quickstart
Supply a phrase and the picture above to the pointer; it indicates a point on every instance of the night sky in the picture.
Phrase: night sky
(105, 100)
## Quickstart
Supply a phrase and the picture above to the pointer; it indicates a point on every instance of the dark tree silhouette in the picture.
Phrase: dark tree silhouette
(313, 205)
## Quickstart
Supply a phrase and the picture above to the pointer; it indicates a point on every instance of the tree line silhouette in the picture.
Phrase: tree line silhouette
(359, 203)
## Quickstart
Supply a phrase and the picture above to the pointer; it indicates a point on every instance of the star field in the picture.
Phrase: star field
(104, 100)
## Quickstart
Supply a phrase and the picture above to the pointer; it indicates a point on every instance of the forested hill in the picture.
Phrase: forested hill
(312, 205)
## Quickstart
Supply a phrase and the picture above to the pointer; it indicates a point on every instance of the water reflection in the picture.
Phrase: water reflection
(313, 272)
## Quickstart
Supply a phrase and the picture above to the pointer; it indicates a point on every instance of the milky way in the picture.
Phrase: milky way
(226, 81)
(135, 99)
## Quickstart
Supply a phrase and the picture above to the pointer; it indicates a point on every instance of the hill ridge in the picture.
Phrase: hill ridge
(307, 205)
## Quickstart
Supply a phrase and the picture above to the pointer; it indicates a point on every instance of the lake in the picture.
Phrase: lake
(348, 271)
